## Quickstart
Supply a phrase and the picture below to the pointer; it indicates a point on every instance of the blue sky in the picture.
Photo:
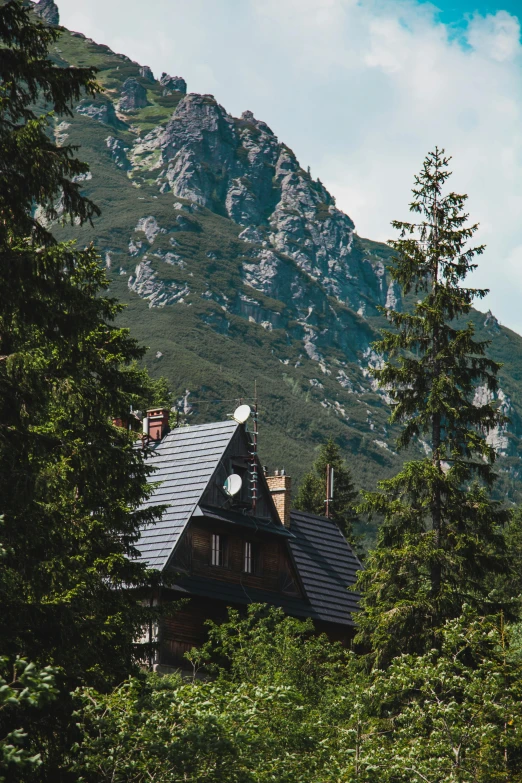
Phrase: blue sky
(455, 12)
(361, 90)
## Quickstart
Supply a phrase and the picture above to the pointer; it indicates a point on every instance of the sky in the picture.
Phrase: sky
(361, 90)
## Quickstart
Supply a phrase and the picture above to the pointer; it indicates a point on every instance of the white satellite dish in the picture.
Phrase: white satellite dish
(233, 484)
(241, 414)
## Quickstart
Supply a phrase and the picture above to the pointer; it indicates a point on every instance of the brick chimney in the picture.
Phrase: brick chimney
(157, 422)
(280, 486)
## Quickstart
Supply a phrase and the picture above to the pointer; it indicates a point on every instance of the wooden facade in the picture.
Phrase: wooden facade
(272, 569)
(186, 629)
(228, 552)
(272, 572)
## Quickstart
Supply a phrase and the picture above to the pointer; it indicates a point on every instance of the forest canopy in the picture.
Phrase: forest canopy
(430, 689)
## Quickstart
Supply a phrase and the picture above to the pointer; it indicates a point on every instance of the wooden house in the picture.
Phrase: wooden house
(223, 553)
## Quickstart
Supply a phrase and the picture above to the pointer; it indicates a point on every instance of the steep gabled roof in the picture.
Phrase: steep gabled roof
(185, 461)
(326, 565)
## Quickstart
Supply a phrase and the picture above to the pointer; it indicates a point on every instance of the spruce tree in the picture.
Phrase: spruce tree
(35, 171)
(440, 540)
(71, 483)
(312, 491)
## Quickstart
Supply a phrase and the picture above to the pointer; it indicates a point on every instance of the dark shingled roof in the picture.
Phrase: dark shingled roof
(326, 565)
(185, 461)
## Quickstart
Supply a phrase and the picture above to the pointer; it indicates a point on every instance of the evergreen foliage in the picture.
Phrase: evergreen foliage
(452, 714)
(262, 716)
(440, 540)
(160, 394)
(509, 582)
(312, 490)
(27, 686)
(283, 704)
(36, 171)
(270, 699)
(71, 483)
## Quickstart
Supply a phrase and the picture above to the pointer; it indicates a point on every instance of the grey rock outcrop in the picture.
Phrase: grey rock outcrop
(499, 437)
(146, 73)
(239, 165)
(159, 293)
(248, 116)
(491, 322)
(149, 226)
(298, 247)
(172, 84)
(118, 152)
(100, 110)
(133, 95)
(48, 11)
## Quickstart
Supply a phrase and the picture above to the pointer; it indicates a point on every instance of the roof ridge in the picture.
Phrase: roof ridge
(200, 426)
(312, 515)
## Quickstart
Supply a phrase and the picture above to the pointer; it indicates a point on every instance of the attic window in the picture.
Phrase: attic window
(219, 550)
(250, 558)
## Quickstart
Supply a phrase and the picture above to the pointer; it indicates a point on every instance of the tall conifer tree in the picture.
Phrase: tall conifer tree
(439, 541)
(71, 483)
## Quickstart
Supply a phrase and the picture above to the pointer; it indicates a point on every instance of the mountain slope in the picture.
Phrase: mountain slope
(236, 266)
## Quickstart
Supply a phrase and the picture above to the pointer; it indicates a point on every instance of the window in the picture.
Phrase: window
(219, 551)
(250, 558)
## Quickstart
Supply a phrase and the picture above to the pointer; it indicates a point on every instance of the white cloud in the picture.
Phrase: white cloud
(514, 261)
(498, 35)
(361, 91)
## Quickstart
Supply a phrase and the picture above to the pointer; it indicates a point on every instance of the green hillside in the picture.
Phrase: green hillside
(237, 268)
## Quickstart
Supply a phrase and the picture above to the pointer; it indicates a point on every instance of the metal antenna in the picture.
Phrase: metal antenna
(253, 454)
(329, 488)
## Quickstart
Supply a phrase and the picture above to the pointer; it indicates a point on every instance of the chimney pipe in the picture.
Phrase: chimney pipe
(280, 486)
(157, 423)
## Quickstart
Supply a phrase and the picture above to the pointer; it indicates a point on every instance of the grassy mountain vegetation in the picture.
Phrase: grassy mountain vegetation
(269, 699)
(214, 353)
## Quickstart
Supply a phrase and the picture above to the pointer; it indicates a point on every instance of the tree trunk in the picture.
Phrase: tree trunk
(436, 505)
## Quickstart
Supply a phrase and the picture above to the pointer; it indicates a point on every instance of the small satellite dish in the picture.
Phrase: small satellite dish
(242, 413)
(233, 484)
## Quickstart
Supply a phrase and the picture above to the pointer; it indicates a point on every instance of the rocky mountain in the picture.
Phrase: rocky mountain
(237, 267)
(48, 11)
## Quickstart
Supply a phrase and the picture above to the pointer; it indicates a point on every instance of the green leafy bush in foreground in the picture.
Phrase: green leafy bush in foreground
(283, 705)
(27, 686)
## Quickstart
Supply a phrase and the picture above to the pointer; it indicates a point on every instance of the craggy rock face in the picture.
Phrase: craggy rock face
(217, 227)
(298, 247)
(100, 109)
(172, 84)
(212, 158)
(145, 284)
(48, 11)
(133, 95)
(146, 73)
